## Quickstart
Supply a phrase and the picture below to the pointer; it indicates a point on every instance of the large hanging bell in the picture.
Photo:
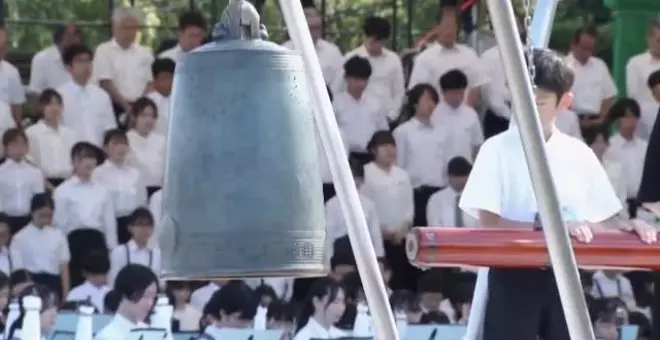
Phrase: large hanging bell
(242, 193)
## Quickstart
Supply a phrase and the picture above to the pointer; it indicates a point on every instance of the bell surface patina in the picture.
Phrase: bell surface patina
(242, 194)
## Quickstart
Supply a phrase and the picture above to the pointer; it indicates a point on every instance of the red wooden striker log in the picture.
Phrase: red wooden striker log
(456, 247)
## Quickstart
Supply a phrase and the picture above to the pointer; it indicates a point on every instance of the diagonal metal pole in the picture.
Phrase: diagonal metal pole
(358, 233)
(561, 253)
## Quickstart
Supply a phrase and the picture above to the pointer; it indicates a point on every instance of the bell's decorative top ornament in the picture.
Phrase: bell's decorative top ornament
(242, 193)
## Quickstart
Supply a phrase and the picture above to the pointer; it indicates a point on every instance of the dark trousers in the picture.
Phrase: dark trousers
(494, 124)
(123, 234)
(120, 116)
(49, 280)
(404, 275)
(421, 197)
(328, 191)
(16, 223)
(81, 243)
(55, 181)
(522, 305)
(151, 190)
(632, 204)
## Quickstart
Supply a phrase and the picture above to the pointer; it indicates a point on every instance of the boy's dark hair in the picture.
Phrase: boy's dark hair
(280, 311)
(405, 300)
(133, 280)
(654, 79)
(111, 301)
(84, 150)
(191, 19)
(96, 262)
(589, 30)
(162, 65)
(434, 317)
(382, 137)
(19, 276)
(376, 27)
(459, 166)
(622, 107)
(453, 80)
(357, 67)
(13, 134)
(141, 104)
(265, 290)
(115, 135)
(590, 135)
(42, 200)
(235, 296)
(342, 253)
(357, 169)
(47, 96)
(552, 74)
(71, 52)
(141, 216)
(353, 285)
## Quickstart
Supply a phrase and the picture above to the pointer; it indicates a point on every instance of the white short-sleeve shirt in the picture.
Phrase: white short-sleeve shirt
(500, 181)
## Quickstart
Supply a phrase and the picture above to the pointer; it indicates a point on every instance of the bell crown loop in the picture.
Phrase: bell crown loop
(239, 21)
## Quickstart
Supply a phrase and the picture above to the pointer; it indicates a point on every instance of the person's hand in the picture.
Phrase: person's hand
(646, 232)
(581, 231)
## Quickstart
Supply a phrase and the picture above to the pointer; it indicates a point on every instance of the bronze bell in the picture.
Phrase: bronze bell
(242, 194)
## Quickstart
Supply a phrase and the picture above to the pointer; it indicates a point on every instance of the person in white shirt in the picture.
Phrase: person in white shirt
(442, 209)
(651, 109)
(47, 313)
(162, 71)
(627, 148)
(137, 249)
(499, 193)
(446, 55)
(123, 181)
(593, 89)
(187, 315)
(324, 306)
(84, 210)
(19, 180)
(137, 287)
(121, 65)
(87, 109)
(6, 122)
(12, 91)
(192, 31)
(432, 295)
(359, 114)
(47, 69)
(388, 187)
(50, 141)
(329, 54)
(568, 122)
(44, 250)
(147, 148)
(609, 284)
(386, 82)
(639, 67)
(95, 270)
(233, 306)
(461, 122)
(10, 259)
(422, 149)
(201, 296)
(336, 224)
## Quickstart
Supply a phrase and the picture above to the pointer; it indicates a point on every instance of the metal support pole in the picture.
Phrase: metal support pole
(561, 253)
(544, 16)
(324, 117)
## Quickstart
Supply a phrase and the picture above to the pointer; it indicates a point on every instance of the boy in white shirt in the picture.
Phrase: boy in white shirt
(442, 209)
(95, 270)
(10, 260)
(163, 72)
(460, 121)
(499, 193)
(137, 249)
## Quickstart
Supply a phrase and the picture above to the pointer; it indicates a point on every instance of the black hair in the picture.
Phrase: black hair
(342, 253)
(84, 150)
(413, 96)
(40, 201)
(459, 166)
(116, 136)
(357, 169)
(589, 30)
(12, 135)
(19, 276)
(590, 135)
(325, 286)
(382, 137)
(141, 216)
(622, 107)
(434, 317)
(133, 280)
(280, 311)
(234, 297)
(173, 286)
(430, 281)
(48, 95)
(453, 80)
(265, 291)
(4, 219)
(111, 301)
(552, 74)
(653, 79)
(192, 19)
(48, 300)
(162, 65)
(357, 67)
(654, 25)
(73, 51)
(376, 27)
(307, 4)
(138, 107)
(96, 262)
(353, 286)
